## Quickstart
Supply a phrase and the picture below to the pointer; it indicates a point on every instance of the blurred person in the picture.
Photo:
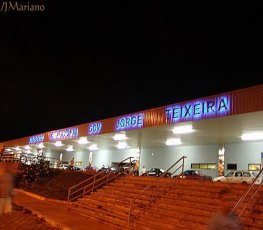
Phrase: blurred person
(143, 170)
(6, 191)
(225, 219)
(220, 168)
(136, 168)
(72, 162)
(2, 150)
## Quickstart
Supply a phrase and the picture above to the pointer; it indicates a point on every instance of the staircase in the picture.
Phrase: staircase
(181, 204)
(141, 202)
(190, 204)
(250, 204)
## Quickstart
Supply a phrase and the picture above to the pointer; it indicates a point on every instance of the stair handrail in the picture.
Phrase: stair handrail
(130, 163)
(94, 180)
(9, 158)
(126, 159)
(157, 188)
(70, 190)
(240, 201)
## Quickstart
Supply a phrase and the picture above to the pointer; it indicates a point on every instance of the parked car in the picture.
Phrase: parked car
(63, 166)
(238, 176)
(90, 169)
(154, 172)
(195, 175)
(73, 168)
(105, 169)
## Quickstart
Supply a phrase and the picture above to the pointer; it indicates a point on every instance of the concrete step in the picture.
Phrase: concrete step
(164, 222)
(101, 217)
(175, 204)
(121, 210)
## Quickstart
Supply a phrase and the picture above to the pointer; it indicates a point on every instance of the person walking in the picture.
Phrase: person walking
(72, 162)
(6, 191)
(225, 219)
(143, 170)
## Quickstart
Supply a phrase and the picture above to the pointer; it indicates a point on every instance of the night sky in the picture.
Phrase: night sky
(80, 62)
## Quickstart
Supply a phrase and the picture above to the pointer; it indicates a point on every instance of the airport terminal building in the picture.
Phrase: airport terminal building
(216, 133)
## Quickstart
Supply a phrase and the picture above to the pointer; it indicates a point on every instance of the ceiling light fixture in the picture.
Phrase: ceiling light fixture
(93, 147)
(122, 145)
(70, 148)
(119, 137)
(58, 143)
(17, 148)
(183, 129)
(252, 136)
(83, 141)
(173, 141)
(27, 147)
(41, 145)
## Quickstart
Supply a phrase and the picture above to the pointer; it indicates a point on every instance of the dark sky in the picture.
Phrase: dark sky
(78, 62)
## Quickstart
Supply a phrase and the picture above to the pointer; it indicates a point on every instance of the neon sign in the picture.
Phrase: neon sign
(130, 122)
(95, 128)
(36, 139)
(63, 134)
(199, 109)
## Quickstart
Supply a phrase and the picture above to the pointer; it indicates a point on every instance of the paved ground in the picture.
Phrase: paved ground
(22, 219)
(53, 212)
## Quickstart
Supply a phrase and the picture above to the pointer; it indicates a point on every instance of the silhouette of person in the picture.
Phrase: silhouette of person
(72, 162)
(6, 191)
(2, 150)
(225, 219)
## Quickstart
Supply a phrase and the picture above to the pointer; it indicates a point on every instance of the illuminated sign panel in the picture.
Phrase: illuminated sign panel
(63, 134)
(199, 109)
(130, 122)
(36, 139)
(95, 128)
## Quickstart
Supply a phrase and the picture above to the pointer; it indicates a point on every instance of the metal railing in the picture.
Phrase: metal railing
(154, 189)
(89, 185)
(248, 198)
(127, 162)
(97, 181)
(128, 158)
(9, 158)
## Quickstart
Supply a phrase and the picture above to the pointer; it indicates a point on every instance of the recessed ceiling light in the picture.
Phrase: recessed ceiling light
(173, 141)
(70, 148)
(93, 147)
(122, 145)
(17, 148)
(183, 129)
(40, 145)
(58, 143)
(252, 136)
(83, 141)
(119, 137)
(27, 147)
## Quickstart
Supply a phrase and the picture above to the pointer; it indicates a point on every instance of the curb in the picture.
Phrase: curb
(42, 198)
(39, 215)
(47, 220)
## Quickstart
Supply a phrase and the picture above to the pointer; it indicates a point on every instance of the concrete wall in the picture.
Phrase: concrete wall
(106, 157)
(243, 154)
(166, 157)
